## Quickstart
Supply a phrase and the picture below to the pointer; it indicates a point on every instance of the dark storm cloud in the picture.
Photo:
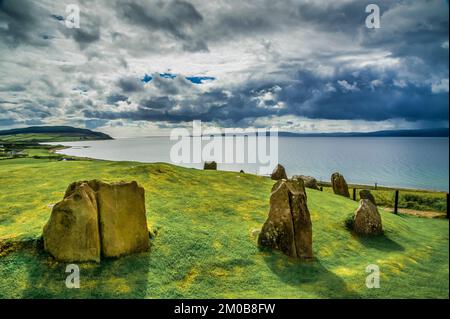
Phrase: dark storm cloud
(311, 98)
(89, 31)
(338, 16)
(170, 86)
(15, 87)
(414, 30)
(113, 99)
(342, 97)
(177, 19)
(130, 84)
(21, 22)
(162, 102)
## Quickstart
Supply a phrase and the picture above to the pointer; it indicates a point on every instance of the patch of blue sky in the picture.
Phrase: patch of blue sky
(168, 75)
(147, 78)
(200, 79)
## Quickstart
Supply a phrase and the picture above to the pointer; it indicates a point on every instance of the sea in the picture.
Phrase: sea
(404, 162)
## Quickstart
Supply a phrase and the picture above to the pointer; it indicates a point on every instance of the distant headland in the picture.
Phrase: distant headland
(51, 134)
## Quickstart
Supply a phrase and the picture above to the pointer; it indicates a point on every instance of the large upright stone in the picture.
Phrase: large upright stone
(97, 219)
(72, 234)
(310, 182)
(339, 185)
(278, 173)
(367, 220)
(122, 219)
(288, 227)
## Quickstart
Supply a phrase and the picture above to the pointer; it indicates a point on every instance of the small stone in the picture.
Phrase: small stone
(278, 173)
(210, 166)
(310, 182)
(339, 185)
(367, 220)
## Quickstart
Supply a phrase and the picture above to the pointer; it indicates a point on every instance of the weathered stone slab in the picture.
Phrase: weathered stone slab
(339, 185)
(72, 234)
(288, 227)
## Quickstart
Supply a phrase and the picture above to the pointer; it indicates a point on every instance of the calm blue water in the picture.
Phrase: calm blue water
(391, 161)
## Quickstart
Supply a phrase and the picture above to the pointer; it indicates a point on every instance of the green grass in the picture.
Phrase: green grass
(418, 200)
(32, 149)
(421, 200)
(205, 246)
(45, 137)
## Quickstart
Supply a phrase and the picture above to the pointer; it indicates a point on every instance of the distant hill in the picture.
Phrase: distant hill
(438, 132)
(51, 134)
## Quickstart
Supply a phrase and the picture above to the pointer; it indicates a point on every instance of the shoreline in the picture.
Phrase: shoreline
(320, 182)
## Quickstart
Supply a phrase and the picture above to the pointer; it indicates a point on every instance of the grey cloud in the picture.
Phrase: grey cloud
(176, 18)
(122, 40)
(308, 97)
(162, 102)
(21, 22)
(15, 87)
(88, 33)
(170, 86)
(113, 99)
(130, 84)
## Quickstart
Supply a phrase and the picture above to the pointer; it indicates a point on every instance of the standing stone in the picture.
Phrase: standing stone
(210, 166)
(278, 173)
(366, 194)
(98, 219)
(288, 227)
(339, 184)
(301, 185)
(367, 220)
(310, 182)
(122, 219)
(72, 234)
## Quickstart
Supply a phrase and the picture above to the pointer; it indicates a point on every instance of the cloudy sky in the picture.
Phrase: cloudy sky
(143, 67)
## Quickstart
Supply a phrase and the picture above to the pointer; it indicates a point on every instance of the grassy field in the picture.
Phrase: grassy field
(44, 137)
(205, 244)
(420, 200)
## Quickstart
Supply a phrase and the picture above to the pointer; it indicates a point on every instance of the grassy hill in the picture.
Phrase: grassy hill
(204, 242)
(50, 134)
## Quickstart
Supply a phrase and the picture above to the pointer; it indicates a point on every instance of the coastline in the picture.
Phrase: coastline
(60, 148)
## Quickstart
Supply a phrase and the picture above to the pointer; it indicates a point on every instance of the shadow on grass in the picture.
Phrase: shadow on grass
(381, 242)
(310, 276)
(123, 278)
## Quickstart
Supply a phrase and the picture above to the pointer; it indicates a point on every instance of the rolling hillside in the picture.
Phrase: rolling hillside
(51, 134)
(203, 226)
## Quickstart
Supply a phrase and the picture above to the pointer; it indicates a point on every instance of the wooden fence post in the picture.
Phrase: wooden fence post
(396, 203)
(354, 194)
(447, 205)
